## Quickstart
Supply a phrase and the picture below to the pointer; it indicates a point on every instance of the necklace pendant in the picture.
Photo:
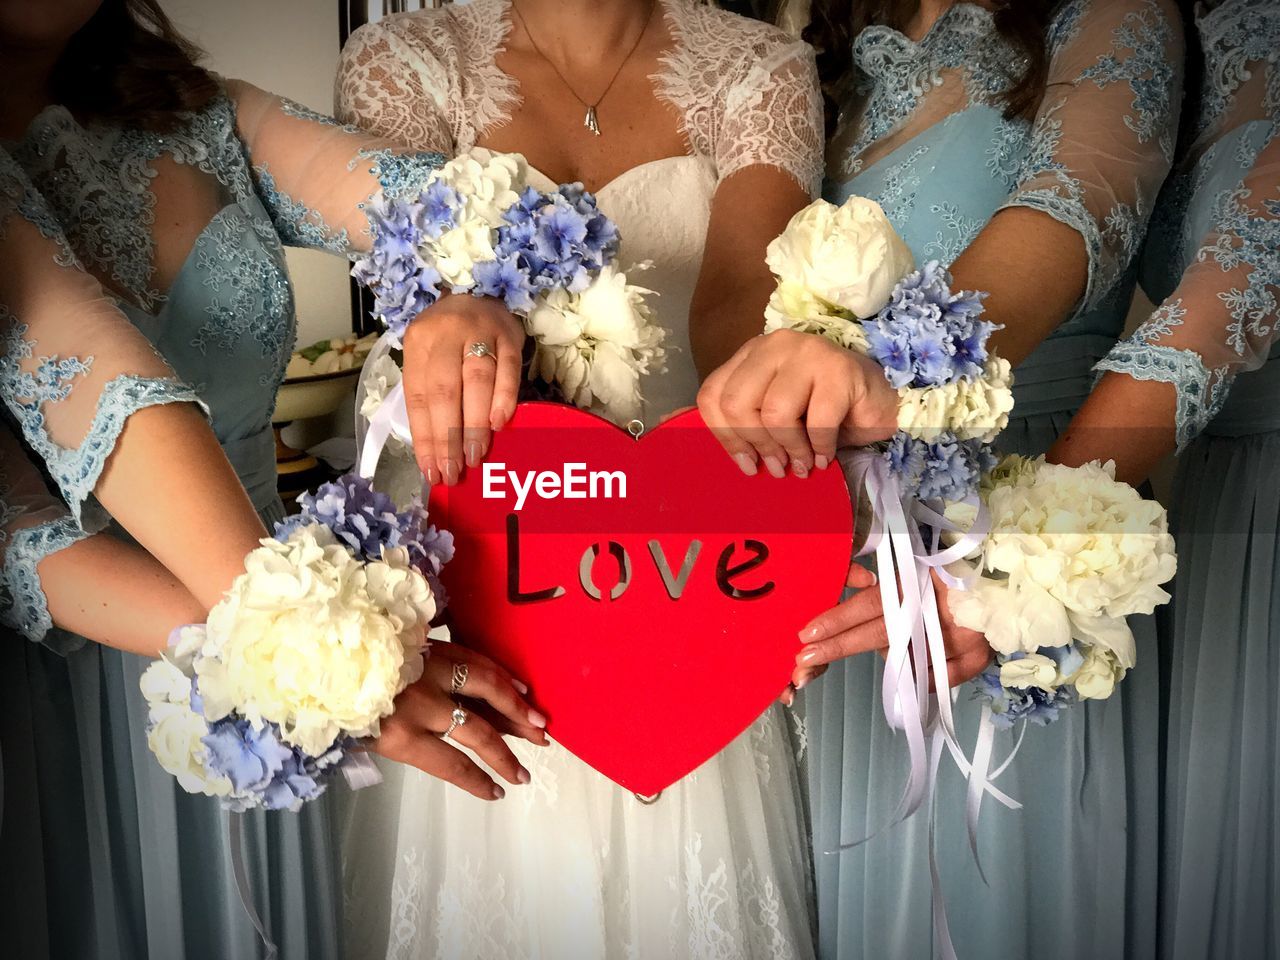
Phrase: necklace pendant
(590, 122)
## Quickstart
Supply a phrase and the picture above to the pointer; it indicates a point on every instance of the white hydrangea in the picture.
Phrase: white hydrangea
(311, 638)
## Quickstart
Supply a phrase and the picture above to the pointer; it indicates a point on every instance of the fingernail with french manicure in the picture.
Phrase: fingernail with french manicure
(800, 684)
(775, 468)
(789, 695)
(537, 719)
(808, 657)
(450, 472)
(432, 476)
(746, 463)
(474, 453)
(821, 462)
(810, 634)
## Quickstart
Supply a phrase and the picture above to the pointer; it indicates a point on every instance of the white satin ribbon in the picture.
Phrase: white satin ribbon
(235, 839)
(916, 643)
(390, 419)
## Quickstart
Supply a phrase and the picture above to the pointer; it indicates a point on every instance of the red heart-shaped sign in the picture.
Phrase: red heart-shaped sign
(648, 591)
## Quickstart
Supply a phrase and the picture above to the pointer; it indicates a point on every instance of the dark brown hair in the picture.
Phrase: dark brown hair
(833, 25)
(128, 64)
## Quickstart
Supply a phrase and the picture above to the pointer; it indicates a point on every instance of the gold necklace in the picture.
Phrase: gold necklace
(590, 121)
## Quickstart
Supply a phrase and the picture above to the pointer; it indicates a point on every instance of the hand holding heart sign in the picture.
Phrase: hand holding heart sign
(648, 591)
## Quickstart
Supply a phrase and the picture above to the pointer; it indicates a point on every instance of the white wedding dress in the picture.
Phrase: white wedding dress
(574, 866)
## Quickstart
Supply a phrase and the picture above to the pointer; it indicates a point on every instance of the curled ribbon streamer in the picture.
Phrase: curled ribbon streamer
(914, 628)
(390, 419)
(360, 771)
(235, 838)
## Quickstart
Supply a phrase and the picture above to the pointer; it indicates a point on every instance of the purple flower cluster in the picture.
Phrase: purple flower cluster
(366, 520)
(943, 468)
(927, 336)
(548, 241)
(403, 284)
(263, 770)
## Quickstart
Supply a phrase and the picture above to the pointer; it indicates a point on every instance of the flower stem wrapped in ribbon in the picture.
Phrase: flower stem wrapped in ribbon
(479, 228)
(304, 655)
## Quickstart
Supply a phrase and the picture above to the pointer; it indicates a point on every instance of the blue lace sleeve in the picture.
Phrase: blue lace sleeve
(1223, 315)
(1102, 142)
(315, 176)
(73, 369)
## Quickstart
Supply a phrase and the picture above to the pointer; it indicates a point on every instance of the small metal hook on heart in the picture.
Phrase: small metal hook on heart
(650, 800)
(635, 428)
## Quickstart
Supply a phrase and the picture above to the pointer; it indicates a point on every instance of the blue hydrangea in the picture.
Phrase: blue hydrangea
(503, 278)
(1010, 705)
(263, 770)
(927, 336)
(402, 283)
(367, 520)
(943, 468)
(439, 209)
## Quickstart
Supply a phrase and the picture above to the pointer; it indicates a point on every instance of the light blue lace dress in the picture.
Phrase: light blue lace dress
(1073, 873)
(143, 269)
(1212, 262)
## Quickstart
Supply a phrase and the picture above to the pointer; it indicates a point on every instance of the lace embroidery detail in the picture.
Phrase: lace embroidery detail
(1161, 322)
(1232, 36)
(28, 612)
(746, 92)
(1201, 392)
(296, 223)
(481, 919)
(1146, 68)
(894, 72)
(901, 180)
(298, 111)
(406, 909)
(18, 196)
(97, 182)
(249, 293)
(1246, 239)
(800, 735)
(74, 470)
(956, 233)
(401, 175)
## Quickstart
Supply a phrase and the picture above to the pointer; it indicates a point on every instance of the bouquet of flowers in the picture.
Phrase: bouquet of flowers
(1070, 553)
(478, 227)
(1044, 560)
(304, 655)
(844, 273)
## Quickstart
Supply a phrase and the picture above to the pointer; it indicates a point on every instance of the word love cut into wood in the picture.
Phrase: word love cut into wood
(648, 591)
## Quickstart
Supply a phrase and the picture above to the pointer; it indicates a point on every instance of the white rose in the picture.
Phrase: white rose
(174, 736)
(1032, 670)
(849, 256)
(1097, 677)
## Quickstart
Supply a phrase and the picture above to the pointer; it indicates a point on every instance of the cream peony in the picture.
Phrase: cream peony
(793, 308)
(313, 639)
(597, 344)
(971, 409)
(848, 256)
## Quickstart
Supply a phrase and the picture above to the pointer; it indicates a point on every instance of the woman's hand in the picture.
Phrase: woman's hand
(788, 397)
(455, 399)
(857, 625)
(494, 703)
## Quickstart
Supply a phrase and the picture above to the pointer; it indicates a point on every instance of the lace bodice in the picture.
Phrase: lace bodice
(923, 132)
(146, 268)
(746, 93)
(1211, 260)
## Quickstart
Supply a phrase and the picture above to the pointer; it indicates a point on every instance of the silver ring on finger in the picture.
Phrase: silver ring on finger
(481, 349)
(456, 719)
(459, 678)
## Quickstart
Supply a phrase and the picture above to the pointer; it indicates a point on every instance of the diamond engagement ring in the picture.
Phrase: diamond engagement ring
(456, 719)
(459, 678)
(480, 349)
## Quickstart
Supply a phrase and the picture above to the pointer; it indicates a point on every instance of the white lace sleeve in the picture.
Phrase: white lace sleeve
(748, 92)
(428, 79)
